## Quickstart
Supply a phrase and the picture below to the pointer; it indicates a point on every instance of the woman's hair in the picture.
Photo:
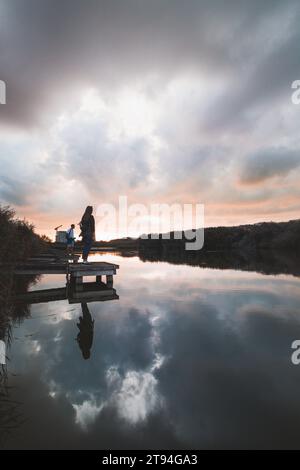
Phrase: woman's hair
(87, 213)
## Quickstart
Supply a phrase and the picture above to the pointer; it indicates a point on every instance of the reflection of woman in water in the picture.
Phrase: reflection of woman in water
(86, 331)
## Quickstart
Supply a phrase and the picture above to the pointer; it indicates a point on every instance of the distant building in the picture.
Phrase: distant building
(60, 236)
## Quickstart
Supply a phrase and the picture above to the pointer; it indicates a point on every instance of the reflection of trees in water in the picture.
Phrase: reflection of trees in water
(11, 416)
(263, 261)
(6, 292)
(11, 313)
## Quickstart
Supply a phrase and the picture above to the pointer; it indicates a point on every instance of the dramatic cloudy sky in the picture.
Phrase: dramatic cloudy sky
(161, 100)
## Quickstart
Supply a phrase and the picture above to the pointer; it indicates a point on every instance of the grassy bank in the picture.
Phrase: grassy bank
(18, 241)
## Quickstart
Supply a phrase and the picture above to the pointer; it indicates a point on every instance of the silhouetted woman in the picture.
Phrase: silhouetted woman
(87, 227)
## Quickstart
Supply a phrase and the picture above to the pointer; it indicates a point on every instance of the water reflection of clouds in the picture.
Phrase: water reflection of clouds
(54, 312)
(133, 396)
(48, 282)
(125, 339)
(87, 412)
(137, 396)
(198, 364)
(239, 380)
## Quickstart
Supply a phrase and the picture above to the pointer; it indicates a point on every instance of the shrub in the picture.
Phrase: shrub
(17, 237)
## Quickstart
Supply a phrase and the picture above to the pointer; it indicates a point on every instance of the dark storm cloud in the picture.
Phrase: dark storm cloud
(50, 49)
(13, 192)
(263, 85)
(215, 75)
(268, 163)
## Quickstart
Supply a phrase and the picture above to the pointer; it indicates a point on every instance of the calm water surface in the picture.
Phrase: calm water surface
(186, 358)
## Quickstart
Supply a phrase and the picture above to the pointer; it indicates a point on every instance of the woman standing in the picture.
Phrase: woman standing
(87, 226)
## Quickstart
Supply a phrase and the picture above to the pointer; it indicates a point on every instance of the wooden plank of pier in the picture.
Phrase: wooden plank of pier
(76, 270)
(34, 268)
(92, 269)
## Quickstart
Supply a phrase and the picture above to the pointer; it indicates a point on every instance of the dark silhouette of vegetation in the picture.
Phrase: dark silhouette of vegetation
(18, 240)
(270, 248)
(283, 236)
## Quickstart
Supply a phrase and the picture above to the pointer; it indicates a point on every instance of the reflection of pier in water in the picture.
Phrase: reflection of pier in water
(75, 291)
(86, 292)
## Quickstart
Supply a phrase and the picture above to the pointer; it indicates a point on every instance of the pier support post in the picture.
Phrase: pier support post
(78, 283)
(98, 278)
(109, 280)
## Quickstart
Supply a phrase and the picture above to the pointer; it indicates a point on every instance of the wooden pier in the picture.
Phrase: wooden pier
(75, 272)
(76, 290)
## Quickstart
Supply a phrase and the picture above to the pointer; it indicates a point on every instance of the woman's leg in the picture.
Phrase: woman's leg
(86, 248)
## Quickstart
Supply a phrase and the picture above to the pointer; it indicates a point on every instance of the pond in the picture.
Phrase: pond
(186, 358)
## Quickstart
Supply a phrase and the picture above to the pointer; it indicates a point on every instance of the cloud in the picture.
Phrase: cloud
(50, 51)
(87, 153)
(268, 163)
(159, 103)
